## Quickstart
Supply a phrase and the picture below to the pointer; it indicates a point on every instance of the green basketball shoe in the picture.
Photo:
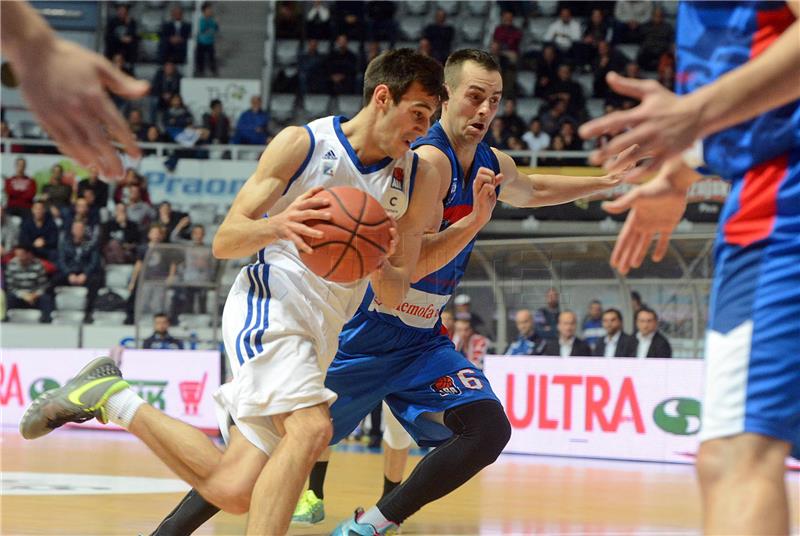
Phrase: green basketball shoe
(310, 509)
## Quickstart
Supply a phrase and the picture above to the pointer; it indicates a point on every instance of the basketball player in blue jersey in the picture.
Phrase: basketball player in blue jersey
(281, 321)
(739, 80)
(397, 353)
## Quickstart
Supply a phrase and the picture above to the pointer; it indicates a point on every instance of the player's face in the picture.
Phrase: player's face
(474, 102)
(407, 120)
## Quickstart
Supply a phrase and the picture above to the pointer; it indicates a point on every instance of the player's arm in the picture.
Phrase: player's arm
(439, 248)
(245, 230)
(392, 280)
(522, 190)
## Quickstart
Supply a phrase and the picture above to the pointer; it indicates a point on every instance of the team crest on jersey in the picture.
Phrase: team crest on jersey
(445, 386)
(397, 178)
(327, 168)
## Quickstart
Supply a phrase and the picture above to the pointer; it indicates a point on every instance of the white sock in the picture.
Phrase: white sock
(374, 517)
(122, 406)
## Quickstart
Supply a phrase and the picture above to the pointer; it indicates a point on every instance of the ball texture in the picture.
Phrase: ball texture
(356, 238)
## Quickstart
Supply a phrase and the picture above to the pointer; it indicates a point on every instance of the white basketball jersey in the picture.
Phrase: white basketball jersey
(332, 161)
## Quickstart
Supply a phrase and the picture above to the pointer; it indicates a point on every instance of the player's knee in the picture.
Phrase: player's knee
(495, 433)
(316, 432)
(232, 494)
(486, 424)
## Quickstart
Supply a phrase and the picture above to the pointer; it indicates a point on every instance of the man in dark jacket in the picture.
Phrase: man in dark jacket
(616, 342)
(567, 344)
(79, 264)
(651, 343)
(161, 339)
(528, 342)
(173, 36)
(40, 232)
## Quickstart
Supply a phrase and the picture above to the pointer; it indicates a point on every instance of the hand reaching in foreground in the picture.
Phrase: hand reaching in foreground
(656, 208)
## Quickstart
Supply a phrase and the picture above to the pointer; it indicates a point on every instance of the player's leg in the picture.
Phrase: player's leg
(751, 406)
(742, 484)
(397, 443)
(306, 434)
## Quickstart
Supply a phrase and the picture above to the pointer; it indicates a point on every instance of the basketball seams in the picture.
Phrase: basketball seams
(344, 208)
(353, 234)
(360, 236)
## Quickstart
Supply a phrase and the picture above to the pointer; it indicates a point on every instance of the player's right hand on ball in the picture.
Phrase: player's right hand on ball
(290, 224)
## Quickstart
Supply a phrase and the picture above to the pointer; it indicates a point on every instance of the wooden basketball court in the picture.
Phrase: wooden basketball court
(42, 493)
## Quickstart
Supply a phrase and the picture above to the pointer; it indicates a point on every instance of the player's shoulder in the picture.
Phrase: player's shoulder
(435, 164)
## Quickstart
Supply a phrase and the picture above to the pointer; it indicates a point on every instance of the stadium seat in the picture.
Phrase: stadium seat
(282, 106)
(415, 8)
(472, 29)
(631, 50)
(108, 318)
(528, 107)
(595, 107)
(478, 7)
(349, 105)
(118, 275)
(188, 320)
(71, 298)
(68, 317)
(412, 27)
(587, 83)
(24, 316)
(527, 82)
(286, 51)
(316, 105)
(537, 27)
(450, 6)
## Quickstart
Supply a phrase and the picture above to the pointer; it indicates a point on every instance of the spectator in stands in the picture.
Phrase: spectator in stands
(341, 65)
(513, 124)
(463, 309)
(556, 144)
(651, 343)
(597, 30)
(546, 318)
(139, 211)
(349, 16)
(553, 117)
(666, 77)
(119, 61)
(20, 190)
(137, 124)
(96, 213)
(440, 34)
(177, 117)
(288, 20)
(516, 144)
(27, 283)
(372, 49)
(508, 36)
(79, 264)
(174, 37)
(528, 342)
(568, 90)
(310, 66)
(608, 59)
(658, 37)
(546, 71)
(535, 138)
(166, 83)
(93, 183)
(120, 238)
(496, 137)
(571, 140)
(154, 136)
(469, 343)
(252, 128)
(630, 15)
(217, 124)
(615, 342)
(80, 211)
(592, 325)
(131, 178)
(448, 322)
(567, 344)
(381, 24)
(121, 34)
(318, 21)
(206, 39)
(161, 339)
(176, 224)
(55, 192)
(161, 266)
(197, 266)
(631, 71)
(508, 70)
(40, 232)
(563, 32)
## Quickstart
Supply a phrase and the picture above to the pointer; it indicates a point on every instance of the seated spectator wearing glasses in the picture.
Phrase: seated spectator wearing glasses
(528, 341)
(615, 343)
(651, 342)
(161, 339)
(567, 343)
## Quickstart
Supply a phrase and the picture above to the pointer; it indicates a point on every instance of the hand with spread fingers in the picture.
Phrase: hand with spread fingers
(65, 86)
(656, 208)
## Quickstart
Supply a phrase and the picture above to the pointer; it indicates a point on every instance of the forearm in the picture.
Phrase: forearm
(22, 29)
(240, 236)
(390, 285)
(557, 189)
(767, 82)
(440, 248)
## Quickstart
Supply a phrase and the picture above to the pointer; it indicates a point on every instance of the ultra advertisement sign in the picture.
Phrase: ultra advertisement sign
(179, 383)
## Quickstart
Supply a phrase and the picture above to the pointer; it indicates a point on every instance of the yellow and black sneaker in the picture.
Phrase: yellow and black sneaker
(80, 399)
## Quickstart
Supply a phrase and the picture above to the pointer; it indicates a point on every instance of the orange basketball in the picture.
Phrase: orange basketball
(356, 238)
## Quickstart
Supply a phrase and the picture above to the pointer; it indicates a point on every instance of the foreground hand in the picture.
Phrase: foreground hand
(655, 209)
(291, 224)
(65, 86)
(484, 195)
(663, 125)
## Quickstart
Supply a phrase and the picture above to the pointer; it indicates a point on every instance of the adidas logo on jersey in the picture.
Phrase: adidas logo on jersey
(330, 155)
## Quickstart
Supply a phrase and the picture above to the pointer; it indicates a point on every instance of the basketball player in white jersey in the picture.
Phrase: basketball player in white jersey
(281, 321)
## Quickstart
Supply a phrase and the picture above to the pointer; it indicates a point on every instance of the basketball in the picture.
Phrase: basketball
(356, 238)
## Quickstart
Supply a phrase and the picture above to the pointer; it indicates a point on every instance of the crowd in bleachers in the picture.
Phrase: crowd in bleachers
(74, 237)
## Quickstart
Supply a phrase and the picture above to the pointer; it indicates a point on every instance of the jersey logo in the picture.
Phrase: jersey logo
(445, 386)
(397, 178)
(330, 155)
(327, 168)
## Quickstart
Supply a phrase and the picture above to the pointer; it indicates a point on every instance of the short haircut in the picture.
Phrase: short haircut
(198, 226)
(398, 70)
(161, 315)
(455, 61)
(613, 311)
(646, 310)
(215, 102)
